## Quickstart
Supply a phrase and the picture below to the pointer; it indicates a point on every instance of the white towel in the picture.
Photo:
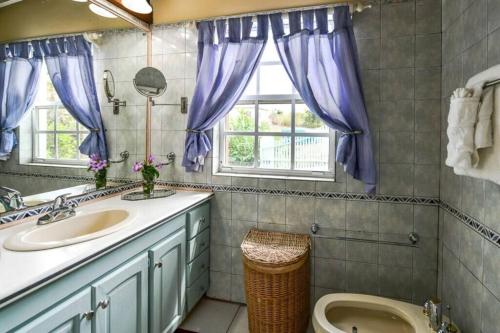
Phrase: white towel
(461, 121)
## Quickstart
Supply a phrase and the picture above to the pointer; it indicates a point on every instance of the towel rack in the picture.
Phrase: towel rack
(492, 83)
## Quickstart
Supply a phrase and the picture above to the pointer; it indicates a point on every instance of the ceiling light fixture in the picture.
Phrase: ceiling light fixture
(101, 11)
(138, 6)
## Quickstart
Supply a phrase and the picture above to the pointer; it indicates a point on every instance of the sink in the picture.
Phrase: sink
(83, 227)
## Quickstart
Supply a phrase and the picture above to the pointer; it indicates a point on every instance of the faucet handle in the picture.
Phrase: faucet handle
(60, 201)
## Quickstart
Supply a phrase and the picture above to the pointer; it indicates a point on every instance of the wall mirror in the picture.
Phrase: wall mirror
(47, 161)
(150, 82)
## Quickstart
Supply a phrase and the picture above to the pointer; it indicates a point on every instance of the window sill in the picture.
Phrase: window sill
(246, 175)
(57, 165)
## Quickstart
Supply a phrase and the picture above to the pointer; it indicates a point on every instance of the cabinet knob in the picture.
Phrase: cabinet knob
(202, 220)
(88, 315)
(158, 264)
(103, 304)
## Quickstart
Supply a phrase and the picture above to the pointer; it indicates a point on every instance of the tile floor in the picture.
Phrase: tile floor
(212, 316)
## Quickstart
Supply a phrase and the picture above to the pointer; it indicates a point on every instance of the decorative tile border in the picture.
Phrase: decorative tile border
(488, 233)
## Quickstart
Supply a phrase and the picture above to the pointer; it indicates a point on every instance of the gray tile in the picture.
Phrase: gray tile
(494, 48)
(398, 19)
(493, 15)
(490, 309)
(330, 213)
(220, 258)
(427, 148)
(451, 234)
(397, 84)
(473, 197)
(362, 251)
(210, 316)
(362, 278)
(428, 51)
(395, 282)
(240, 322)
(271, 227)
(299, 211)
(220, 283)
(451, 288)
(398, 147)
(426, 180)
(450, 187)
(424, 286)
(374, 110)
(369, 52)
(453, 40)
(236, 261)
(398, 52)
(475, 58)
(426, 219)
(427, 115)
(272, 209)
(237, 289)
(425, 255)
(475, 23)
(428, 16)
(397, 256)
(427, 83)
(367, 23)
(469, 309)
(371, 84)
(471, 251)
(330, 273)
(272, 184)
(329, 248)
(244, 206)
(300, 185)
(395, 218)
(220, 232)
(239, 230)
(491, 268)
(451, 11)
(396, 179)
(362, 216)
(491, 206)
(244, 181)
(397, 115)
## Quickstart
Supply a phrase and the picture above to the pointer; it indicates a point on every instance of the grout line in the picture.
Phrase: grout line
(234, 318)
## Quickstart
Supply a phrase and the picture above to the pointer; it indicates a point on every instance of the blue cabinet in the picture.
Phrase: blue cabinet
(73, 315)
(120, 298)
(167, 283)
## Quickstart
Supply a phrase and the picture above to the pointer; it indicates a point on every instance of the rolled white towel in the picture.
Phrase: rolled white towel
(483, 135)
(461, 123)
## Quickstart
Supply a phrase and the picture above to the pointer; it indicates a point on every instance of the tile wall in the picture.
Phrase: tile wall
(399, 45)
(469, 268)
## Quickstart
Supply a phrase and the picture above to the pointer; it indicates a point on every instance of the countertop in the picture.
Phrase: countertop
(21, 270)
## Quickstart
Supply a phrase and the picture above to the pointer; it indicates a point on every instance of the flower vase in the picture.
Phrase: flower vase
(148, 185)
(100, 179)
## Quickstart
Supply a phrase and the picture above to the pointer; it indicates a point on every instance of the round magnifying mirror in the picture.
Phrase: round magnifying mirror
(109, 85)
(150, 82)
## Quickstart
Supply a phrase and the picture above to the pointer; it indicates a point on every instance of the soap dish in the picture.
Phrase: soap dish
(139, 195)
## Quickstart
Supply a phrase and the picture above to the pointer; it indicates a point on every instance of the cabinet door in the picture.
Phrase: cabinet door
(121, 298)
(70, 316)
(167, 283)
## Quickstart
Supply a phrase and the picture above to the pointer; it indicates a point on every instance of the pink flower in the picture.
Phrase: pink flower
(151, 159)
(137, 166)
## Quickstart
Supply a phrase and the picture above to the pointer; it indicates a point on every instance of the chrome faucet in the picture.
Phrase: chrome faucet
(61, 210)
(432, 309)
(11, 199)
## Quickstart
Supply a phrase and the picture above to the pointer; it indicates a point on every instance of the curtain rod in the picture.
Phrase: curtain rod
(354, 6)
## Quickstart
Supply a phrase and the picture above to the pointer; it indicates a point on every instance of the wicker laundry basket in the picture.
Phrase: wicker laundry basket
(276, 281)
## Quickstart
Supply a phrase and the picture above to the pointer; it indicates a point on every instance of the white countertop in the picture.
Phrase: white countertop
(20, 270)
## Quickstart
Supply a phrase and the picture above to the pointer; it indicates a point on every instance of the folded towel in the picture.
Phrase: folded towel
(461, 121)
(483, 135)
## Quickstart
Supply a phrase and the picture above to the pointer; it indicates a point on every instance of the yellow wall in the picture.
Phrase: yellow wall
(169, 11)
(36, 18)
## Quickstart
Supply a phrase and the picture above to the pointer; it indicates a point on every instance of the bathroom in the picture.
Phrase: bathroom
(413, 229)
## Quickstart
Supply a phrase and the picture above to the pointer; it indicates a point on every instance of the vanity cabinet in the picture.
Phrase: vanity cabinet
(147, 284)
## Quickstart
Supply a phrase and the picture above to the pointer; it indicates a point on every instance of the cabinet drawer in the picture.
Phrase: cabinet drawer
(196, 291)
(197, 267)
(198, 220)
(198, 244)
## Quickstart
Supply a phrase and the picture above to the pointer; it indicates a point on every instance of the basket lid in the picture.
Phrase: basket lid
(269, 247)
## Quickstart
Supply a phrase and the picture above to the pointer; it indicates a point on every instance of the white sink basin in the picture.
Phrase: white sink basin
(80, 228)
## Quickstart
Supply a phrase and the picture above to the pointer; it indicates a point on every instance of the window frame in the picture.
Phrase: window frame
(80, 130)
(293, 99)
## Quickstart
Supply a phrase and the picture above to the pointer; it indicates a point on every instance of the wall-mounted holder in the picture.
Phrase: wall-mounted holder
(170, 159)
(124, 155)
(183, 104)
(109, 89)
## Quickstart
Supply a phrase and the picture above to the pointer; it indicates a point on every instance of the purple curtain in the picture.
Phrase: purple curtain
(69, 62)
(224, 70)
(20, 66)
(324, 69)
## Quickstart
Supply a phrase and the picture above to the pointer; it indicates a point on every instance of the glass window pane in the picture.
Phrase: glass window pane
(275, 152)
(241, 119)
(311, 153)
(251, 88)
(270, 53)
(307, 122)
(274, 80)
(275, 118)
(65, 121)
(46, 119)
(240, 150)
(46, 147)
(67, 145)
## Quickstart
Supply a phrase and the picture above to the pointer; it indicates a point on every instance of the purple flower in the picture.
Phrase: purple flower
(151, 159)
(137, 166)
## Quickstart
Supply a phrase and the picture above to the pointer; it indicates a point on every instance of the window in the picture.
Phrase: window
(56, 134)
(272, 132)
